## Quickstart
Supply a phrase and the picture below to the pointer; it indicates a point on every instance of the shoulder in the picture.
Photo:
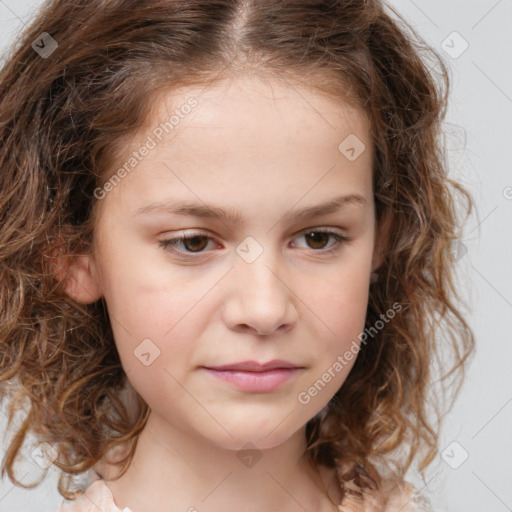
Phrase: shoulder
(96, 497)
(403, 496)
(393, 497)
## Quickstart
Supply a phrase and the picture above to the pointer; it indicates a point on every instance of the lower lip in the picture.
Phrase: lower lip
(256, 382)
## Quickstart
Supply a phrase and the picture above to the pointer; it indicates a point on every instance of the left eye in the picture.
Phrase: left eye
(318, 237)
(196, 242)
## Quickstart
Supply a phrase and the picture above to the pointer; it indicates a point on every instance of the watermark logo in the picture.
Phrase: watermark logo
(352, 147)
(249, 249)
(146, 352)
(458, 250)
(249, 455)
(454, 455)
(44, 45)
(44, 455)
(454, 45)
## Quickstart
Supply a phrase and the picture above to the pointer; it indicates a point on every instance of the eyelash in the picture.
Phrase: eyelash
(170, 243)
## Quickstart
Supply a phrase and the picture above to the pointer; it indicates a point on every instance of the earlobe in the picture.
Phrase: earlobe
(78, 277)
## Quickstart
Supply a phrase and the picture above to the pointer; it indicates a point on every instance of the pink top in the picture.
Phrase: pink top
(98, 497)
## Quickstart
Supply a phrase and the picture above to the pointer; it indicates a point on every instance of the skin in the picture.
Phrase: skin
(263, 150)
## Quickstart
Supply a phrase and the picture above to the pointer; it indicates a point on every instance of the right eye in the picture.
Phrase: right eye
(194, 243)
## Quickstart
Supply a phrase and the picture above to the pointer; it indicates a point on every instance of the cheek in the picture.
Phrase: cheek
(342, 300)
(140, 292)
(154, 315)
(340, 306)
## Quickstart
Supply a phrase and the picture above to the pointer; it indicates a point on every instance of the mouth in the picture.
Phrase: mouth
(253, 377)
(255, 366)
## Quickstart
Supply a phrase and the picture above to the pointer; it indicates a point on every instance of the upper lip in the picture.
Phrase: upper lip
(254, 366)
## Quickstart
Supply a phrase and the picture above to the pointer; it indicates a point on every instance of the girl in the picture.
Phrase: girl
(226, 254)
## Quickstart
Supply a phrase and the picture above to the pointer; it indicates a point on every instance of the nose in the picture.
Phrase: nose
(260, 297)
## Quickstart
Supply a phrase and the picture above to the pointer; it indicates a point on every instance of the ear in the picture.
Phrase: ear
(382, 232)
(77, 275)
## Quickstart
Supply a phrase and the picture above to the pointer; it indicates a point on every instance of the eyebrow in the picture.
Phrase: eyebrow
(194, 209)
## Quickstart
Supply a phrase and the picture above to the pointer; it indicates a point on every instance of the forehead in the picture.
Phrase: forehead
(274, 110)
(249, 133)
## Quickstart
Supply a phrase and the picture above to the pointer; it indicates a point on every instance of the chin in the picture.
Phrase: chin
(263, 437)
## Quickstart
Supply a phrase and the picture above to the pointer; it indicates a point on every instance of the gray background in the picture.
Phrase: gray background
(479, 129)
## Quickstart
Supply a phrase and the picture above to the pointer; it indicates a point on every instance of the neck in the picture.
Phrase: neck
(176, 470)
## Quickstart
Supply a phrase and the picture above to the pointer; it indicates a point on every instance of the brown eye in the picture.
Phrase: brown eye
(183, 245)
(317, 239)
(195, 243)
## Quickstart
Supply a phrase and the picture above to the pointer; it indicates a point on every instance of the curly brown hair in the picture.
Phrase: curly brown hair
(63, 120)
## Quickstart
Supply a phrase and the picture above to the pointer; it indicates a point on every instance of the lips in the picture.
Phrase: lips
(261, 381)
(255, 366)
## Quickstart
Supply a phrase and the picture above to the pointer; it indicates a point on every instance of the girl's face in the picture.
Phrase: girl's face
(263, 179)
